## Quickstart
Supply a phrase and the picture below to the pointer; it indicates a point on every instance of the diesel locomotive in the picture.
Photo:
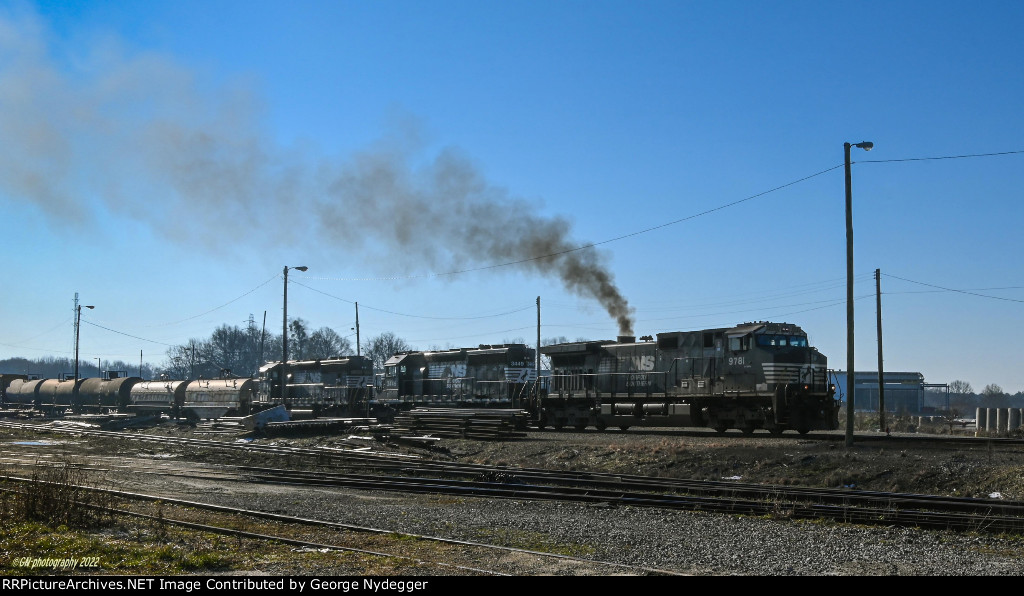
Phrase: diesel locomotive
(501, 375)
(755, 375)
(331, 386)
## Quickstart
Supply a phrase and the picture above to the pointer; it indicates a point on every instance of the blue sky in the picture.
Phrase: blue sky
(166, 160)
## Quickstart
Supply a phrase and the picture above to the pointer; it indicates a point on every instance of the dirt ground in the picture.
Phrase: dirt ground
(901, 462)
(898, 462)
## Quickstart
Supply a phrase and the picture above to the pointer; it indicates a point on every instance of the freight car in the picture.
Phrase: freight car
(501, 375)
(101, 395)
(5, 382)
(22, 393)
(340, 385)
(755, 375)
(158, 397)
(215, 398)
(203, 398)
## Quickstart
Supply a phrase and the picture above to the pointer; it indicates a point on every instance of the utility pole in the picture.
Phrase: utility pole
(850, 381)
(536, 384)
(78, 326)
(78, 316)
(357, 330)
(263, 336)
(881, 375)
(284, 340)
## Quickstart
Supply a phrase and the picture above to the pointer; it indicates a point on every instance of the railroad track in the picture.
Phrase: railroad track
(309, 533)
(386, 472)
(876, 508)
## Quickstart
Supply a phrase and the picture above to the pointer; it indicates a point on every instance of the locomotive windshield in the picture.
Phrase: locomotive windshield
(799, 341)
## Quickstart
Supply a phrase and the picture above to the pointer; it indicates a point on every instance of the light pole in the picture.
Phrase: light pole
(78, 325)
(99, 373)
(284, 339)
(867, 146)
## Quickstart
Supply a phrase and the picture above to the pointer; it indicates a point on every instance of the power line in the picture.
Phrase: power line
(673, 222)
(276, 276)
(128, 334)
(952, 289)
(940, 157)
(417, 316)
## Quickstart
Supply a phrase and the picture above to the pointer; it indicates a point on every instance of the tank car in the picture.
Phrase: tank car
(755, 375)
(5, 382)
(46, 397)
(487, 376)
(342, 385)
(58, 395)
(23, 393)
(215, 398)
(158, 397)
(111, 394)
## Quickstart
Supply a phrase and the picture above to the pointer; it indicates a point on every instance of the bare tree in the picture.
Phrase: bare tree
(186, 361)
(383, 347)
(994, 396)
(233, 349)
(961, 396)
(326, 343)
(298, 339)
(959, 387)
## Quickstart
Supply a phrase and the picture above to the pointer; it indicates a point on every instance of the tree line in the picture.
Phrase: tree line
(240, 351)
(962, 397)
(231, 350)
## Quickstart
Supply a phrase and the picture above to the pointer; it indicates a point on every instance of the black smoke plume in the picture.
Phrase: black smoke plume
(145, 137)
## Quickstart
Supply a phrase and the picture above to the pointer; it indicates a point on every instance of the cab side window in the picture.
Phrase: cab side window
(738, 344)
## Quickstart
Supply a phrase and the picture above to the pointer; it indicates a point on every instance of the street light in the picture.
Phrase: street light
(867, 146)
(284, 338)
(78, 325)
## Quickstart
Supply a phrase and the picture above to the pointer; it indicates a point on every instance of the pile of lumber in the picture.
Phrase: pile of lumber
(461, 423)
(315, 426)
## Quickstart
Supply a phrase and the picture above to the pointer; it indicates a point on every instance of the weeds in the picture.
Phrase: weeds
(56, 495)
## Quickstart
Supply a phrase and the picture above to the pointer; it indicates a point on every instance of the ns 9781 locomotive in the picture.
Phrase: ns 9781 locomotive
(755, 375)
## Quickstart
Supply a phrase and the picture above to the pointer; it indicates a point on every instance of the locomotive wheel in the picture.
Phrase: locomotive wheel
(748, 429)
(775, 430)
(720, 428)
(624, 427)
(601, 424)
(580, 427)
(557, 426)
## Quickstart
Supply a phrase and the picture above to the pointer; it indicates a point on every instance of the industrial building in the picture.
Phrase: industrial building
(904, 391)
